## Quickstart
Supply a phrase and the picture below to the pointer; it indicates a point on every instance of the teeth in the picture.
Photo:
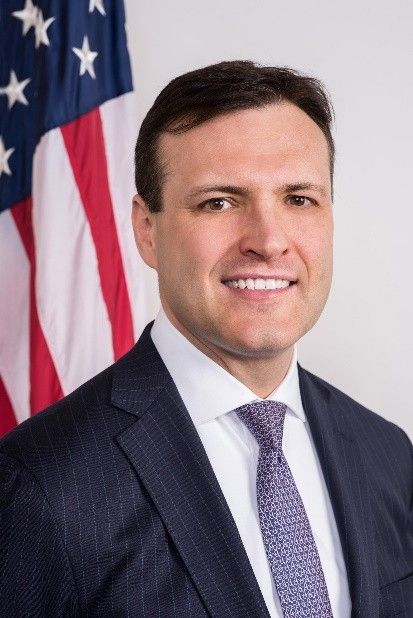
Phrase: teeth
(258, 284)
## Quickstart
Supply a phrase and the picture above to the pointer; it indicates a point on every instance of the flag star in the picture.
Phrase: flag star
(4, 156)
(96, 4)
(40, 29)
(14, 90)
(28, 16)
(87, 58)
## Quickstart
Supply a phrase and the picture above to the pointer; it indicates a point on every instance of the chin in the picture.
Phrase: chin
(260, 345)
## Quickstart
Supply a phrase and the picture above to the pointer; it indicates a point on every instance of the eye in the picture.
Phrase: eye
(216, 204)
(300, 200)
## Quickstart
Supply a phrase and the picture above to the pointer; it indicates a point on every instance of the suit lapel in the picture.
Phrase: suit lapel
(344, 472)
(166, 452)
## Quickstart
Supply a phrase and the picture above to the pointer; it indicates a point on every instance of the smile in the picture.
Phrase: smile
(258, 284)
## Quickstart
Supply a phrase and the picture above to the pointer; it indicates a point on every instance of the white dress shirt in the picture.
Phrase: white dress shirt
(211, 395)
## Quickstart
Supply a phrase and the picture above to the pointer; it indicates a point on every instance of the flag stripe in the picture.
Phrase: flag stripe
(70, 303)
(85, 146)
(7, 418)
(44, 383)
(120, 140)
(14, 316)
(68, 262)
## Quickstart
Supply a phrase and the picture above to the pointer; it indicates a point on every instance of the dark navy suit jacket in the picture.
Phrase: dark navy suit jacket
(109, 505)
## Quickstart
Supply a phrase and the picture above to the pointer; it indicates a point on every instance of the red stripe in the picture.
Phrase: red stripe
(45, 386)
(7, 418)
(86, 149)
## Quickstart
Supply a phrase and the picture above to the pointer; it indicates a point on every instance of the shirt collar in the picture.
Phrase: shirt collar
(207, 389)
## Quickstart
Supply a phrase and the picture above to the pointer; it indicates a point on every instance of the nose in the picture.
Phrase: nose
(264, 232)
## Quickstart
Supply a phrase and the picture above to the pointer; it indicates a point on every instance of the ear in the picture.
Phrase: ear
(144, 223)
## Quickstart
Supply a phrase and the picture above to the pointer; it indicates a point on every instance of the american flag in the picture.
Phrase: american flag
(72, 293)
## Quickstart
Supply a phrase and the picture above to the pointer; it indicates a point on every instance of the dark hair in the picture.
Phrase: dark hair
(197, 96)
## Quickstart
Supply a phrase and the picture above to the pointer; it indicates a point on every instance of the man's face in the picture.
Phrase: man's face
(246, 205)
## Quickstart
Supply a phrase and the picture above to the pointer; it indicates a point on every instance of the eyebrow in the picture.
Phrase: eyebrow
(303, 186)
(243, 191)
(234, 190)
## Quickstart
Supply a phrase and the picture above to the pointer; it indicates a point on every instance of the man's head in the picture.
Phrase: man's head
(233, 169)
(197, 96)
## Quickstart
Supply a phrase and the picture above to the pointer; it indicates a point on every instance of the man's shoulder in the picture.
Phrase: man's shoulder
(359, 417)
(94, 391)
(71, 421)
(90, 416)
(91, 398)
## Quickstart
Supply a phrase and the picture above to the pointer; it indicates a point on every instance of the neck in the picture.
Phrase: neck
(261, 376)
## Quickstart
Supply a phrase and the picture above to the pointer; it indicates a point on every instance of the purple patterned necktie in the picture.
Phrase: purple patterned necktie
(288, 540)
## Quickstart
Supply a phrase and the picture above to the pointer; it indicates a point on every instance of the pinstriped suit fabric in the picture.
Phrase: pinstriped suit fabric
(122, 562)
(193, 507)
(28, 517)
(109, 507)
(380, 456)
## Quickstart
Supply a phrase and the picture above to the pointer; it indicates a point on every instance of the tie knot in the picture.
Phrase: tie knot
(265, 420)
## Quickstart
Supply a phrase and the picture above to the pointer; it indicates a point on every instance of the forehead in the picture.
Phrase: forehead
(277, 142)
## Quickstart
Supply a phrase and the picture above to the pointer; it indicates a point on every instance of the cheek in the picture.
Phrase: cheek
(186, 255)
(323, 267)
(201, 248)
(316, 243)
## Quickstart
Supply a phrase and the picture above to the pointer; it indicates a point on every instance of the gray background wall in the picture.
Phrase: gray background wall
(362, 50)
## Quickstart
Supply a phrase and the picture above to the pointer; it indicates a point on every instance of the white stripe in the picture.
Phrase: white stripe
(14, 316)
(71, 309)
(120, 131)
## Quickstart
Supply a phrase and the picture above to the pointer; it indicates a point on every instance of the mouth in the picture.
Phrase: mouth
(259, 283)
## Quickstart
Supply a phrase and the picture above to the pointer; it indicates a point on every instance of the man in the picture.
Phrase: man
(206, 472)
